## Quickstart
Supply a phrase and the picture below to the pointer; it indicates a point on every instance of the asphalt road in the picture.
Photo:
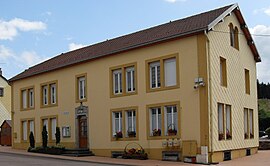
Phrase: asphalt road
(7, 159)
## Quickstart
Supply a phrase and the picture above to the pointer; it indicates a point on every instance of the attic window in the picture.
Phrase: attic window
(1, 92)
(234, 36)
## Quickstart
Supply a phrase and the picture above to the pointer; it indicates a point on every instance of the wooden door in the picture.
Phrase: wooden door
(83, 132)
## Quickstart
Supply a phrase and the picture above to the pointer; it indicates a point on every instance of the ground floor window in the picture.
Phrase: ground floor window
(27, 126)
(51, 124)
(163, 119)
(224, 122)
(248, 124)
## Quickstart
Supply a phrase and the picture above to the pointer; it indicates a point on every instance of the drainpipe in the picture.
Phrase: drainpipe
(209, 96)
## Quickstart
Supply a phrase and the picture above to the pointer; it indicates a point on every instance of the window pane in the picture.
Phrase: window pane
(24, 123)
(24, 98)
(246, 122)
(117, 84)
(130, 79)
(31, 97)
(155, 121)
(170, 72)
(31, 125)
(155, 75)
(220, 119)
(251, 123)
(82, 92)
(53, 128)
(228, 122)
(45, 95)
(53, 93)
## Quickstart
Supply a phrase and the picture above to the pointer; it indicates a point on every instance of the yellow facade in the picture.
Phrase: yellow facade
(196, 56)
(5, 101)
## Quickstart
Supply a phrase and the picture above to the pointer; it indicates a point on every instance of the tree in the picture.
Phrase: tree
(44, 137)
(57, 135)
(32, 140)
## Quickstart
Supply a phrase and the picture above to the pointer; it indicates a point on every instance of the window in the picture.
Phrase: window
(155, 121)
(247, 81)
(53, 127)
(248, 123)
(53, 93)
(117, 81)
(234, 41)
(49, 94)
(27, 126)
(81, 89)
(131, 123)
(162, 73)
(117, 124)
(223, 72)
(51, 124)
(130, 79)
(66, 131)
(224, 122)
(155, 74)
(123, 80)
(163, 120)
(27, 98)
(124, 123)
(1, 92)
(171, 120)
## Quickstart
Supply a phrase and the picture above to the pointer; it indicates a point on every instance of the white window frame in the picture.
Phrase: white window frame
(81, 88)
(174, 113)
(221, 119)
(157, 77)
(31, 97)
(251, 123)
(24, 131)
(24, 99)
(228, 120)
(130, 82)
(53, 93)
(157, 123)
(133, 121)
(45, 95)
(53, 122)
(120, 128)
(46, 123)
(66, 131)
(170, 74)
(117, 83)
(32, 126)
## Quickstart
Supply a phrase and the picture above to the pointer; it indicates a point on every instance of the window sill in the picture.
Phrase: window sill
(148, 90)
(123, 94)
(47, 106)
(81, 100)
(27, 109)
(163, 137)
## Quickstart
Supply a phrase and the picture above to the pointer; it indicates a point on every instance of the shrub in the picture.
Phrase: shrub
(44, 137)
(32, 140)
(57, 135)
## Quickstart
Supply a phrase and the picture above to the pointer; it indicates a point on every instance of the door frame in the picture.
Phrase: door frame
(81, 111)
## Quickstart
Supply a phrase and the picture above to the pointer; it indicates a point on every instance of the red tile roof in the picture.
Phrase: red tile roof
(179, 28)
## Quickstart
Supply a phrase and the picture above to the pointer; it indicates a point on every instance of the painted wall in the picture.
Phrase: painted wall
(234, 94)
(5, 102)
(100, 103)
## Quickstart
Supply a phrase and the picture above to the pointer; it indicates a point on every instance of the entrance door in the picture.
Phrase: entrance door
(83, 132)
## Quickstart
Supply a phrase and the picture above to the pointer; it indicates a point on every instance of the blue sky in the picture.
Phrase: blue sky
(32, 31)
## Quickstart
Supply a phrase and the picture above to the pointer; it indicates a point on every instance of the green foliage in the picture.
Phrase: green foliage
(263, 90)
(44, 137)
(57, 135)
(32, 140)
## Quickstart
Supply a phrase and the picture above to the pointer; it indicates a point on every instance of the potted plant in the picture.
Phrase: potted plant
(228, 134)
(156, 132)
(172, 130)
(246, 135)
(220, 136)
(118, 135)
(251, 135)
(131, 133)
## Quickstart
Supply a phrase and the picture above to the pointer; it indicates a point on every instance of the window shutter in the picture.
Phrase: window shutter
(170, 72)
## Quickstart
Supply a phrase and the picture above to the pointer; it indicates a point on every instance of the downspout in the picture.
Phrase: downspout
(209, 96)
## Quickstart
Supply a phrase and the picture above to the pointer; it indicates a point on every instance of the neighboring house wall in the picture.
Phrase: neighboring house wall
(5, 101)
(234, 93)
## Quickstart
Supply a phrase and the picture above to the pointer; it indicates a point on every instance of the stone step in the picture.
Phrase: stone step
(78, 152)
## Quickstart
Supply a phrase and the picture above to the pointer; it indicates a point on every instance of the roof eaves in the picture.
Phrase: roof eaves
(193, 32)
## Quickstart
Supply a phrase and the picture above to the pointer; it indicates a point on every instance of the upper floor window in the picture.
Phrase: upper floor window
(123, 80)
(234, 41)
(1, 91)
(49, 93)
(223, 72)
(247, 81)
(81, 84)
(162, 73)
(27, 98)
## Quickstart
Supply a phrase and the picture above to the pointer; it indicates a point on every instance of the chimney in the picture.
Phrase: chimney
(0, 71)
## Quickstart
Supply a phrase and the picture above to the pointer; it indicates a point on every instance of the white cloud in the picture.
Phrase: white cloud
(173, 1)
(9, 29)
(5, 53)
(30, 58)
(267, 11)
(262, 10)
(262, 44)
(74, 46)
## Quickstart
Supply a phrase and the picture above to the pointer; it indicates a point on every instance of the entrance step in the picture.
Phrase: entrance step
(78, 152)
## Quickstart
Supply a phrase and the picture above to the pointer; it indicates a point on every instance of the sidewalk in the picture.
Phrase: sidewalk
(260, 159)
(96, 159)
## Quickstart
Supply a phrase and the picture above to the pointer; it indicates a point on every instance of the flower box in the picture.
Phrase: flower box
(156, 132)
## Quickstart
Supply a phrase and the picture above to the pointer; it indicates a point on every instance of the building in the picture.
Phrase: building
(5, 99)
(173, 88)
(5, 134)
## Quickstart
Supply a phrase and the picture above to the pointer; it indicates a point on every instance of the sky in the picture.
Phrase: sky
(32, 31)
